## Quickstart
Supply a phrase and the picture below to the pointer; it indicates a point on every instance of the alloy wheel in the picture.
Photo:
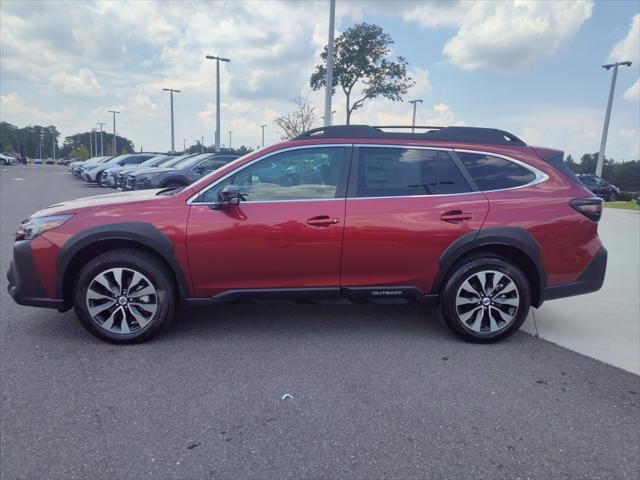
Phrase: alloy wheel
(487, 302)
(121, 300)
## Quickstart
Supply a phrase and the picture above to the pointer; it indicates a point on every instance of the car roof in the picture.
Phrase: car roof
(455, 134)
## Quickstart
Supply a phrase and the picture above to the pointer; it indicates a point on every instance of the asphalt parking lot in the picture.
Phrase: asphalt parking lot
(378, 391)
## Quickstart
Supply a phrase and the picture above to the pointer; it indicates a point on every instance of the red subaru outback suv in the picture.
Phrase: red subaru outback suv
(471, 218)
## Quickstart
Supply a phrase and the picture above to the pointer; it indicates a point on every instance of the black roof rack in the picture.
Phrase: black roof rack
(489, 136)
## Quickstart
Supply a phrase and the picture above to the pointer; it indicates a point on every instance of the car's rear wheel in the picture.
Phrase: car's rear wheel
(124, 296)
(485, 299)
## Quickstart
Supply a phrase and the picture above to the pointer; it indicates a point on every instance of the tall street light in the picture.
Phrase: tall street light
(184, 145)
(413, 122)
(101, 142)
(262, 127)
(95, 140)
(114, 132)
(218, 60)
(91, 142)
(605, 128)
(230, 132)
(171, 90)
(329, 86)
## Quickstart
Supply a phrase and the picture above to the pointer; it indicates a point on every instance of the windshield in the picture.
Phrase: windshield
(155, 161)
(189, 162)
(175, 161)
(118, 158)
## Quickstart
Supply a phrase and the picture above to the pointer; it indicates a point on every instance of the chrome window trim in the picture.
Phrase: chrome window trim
(191, 200)
(539, 175)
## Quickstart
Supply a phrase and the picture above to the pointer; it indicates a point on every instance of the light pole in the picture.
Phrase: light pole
(262, 127)
(184, 145)
(91, 143)
(329, 86)
(95, 140)
(413, 122)
(218, 60)
(53, 144)
(230, 132)
(114, 153)
(171, 90)
(101, 142)
(605, 128)
(201, 144)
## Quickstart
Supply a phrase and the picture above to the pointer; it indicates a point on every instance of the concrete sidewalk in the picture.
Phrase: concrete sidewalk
(605, 324)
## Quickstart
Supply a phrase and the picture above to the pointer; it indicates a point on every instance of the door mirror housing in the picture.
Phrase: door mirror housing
(228, 196)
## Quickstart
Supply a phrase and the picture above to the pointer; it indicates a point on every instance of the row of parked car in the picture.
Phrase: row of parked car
(146, 170)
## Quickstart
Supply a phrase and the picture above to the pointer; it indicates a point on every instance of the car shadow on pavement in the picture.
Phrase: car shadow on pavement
(301, 320)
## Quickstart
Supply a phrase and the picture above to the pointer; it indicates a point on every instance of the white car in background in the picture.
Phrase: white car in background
(6, 159)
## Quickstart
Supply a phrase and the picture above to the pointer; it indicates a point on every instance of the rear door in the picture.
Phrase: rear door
(404, 207)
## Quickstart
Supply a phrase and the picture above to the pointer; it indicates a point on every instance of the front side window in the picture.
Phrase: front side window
(393, 172)
(495, 173)
(304, 174)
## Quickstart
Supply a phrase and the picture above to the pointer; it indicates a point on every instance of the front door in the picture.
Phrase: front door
(405, 206)
(285, 234)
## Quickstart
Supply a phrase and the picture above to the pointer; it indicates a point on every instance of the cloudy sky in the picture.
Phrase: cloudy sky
(532, 68)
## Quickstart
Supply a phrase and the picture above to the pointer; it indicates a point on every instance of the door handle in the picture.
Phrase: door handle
(322, 221)
(455, 216)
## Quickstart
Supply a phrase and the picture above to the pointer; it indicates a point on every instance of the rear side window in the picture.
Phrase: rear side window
(394, 172)
(495, 173)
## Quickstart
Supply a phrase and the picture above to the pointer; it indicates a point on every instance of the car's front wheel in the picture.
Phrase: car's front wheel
(485, 299)
(124, 296)
(613, 197)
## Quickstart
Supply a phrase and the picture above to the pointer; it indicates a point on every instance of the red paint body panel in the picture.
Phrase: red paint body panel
(399, 241)
(264, 245)
(167, 214)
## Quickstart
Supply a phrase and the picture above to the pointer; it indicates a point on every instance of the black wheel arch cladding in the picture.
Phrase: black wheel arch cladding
(142, 233)
(512, 237)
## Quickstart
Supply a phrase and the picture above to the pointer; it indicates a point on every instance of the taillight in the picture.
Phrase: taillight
(589, 207)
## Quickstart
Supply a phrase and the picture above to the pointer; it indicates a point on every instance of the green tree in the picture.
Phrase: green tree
(361, 57)
(81, 153)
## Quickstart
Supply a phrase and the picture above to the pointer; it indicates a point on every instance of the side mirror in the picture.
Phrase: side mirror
(228, 196)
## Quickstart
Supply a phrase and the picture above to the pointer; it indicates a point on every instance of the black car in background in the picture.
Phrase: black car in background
(132, 177)
(600, 187)
(183, 173)
(121, 173)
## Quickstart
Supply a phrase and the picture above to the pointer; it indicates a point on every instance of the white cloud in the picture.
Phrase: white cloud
(629, 47)
(84, 85)
(506, 35)
(531, 136)
(14, 108)
(632, 94)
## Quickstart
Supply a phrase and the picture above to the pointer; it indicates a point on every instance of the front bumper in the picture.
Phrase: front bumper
(590, 280)
(24, 285)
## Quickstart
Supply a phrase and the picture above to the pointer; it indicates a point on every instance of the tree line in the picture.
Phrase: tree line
(37, 141)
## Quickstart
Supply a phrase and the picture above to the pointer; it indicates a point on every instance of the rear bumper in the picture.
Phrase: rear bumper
(590, 280)
(24, 285)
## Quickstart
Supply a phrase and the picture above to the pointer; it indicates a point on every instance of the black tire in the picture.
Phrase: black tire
(138, 261)
(613, 197)
(466, 270)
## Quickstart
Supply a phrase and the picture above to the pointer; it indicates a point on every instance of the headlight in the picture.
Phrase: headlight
(34, 226)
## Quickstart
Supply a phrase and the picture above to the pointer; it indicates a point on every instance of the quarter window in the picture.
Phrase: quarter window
(393, 172)
(303, 174)
(495, 173)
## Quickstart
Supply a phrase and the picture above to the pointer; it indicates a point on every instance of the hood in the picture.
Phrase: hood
(86, 203)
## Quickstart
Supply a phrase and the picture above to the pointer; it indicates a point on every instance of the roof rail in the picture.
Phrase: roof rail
(489, 136)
